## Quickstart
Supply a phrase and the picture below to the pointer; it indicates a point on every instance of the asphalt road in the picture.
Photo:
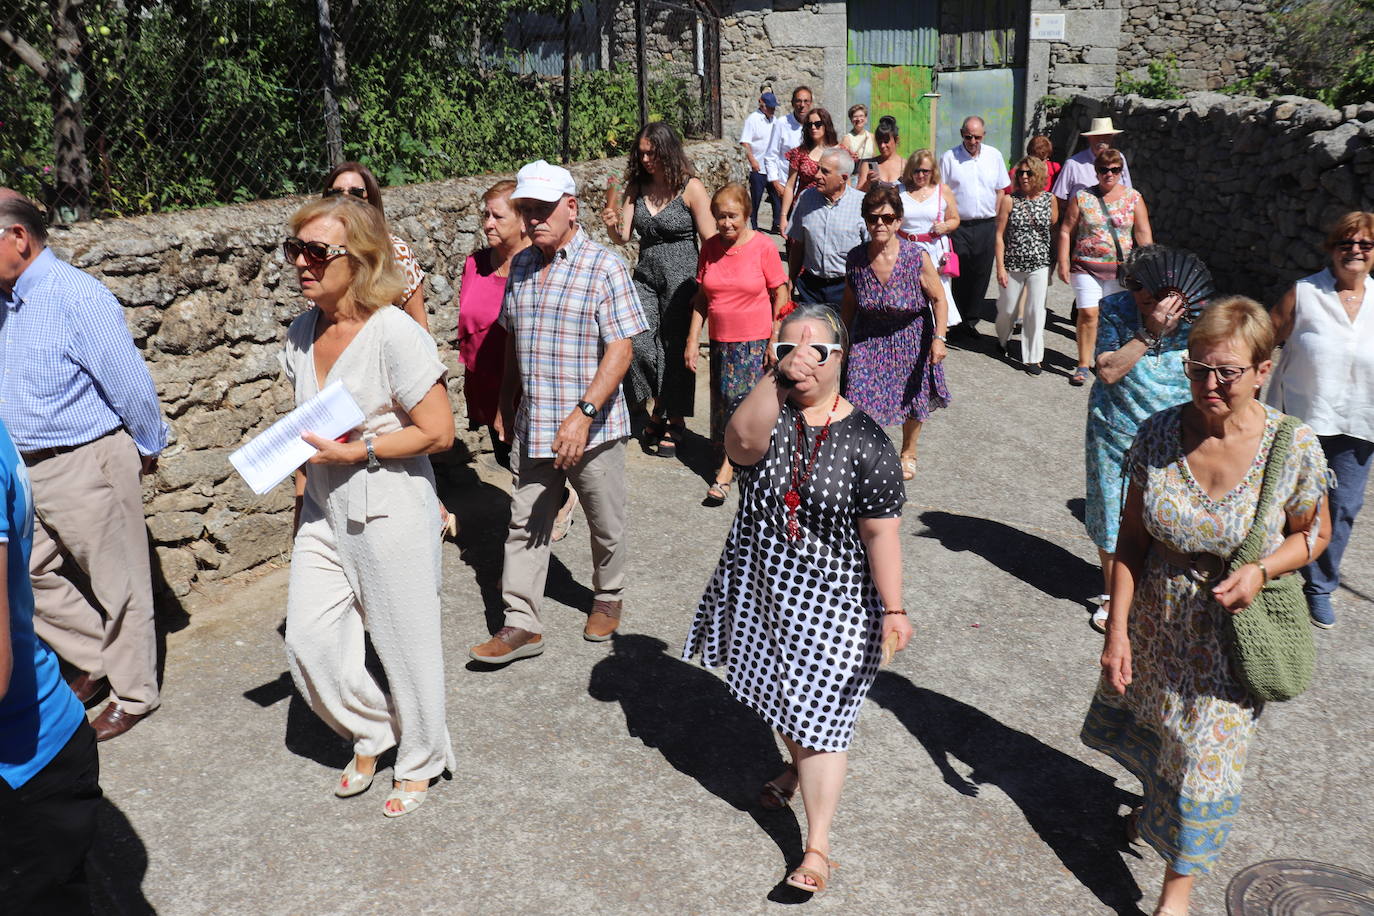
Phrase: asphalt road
(614, 778)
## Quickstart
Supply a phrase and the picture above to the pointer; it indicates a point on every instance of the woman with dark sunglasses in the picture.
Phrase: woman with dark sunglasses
(894, 308)
(804, 161)
(356, 180)
(809, 586)
(362, 563)
(1101, 225)
(1025, 220)
(1326, 376)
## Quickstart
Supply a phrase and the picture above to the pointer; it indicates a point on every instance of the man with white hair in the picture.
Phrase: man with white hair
(826, 224)
(977, 175)
(569, 313)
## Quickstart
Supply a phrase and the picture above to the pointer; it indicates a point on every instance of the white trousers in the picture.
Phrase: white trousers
(379, 579)
(1035, 283)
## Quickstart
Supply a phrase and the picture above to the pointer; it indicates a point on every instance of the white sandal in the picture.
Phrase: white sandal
(410, 799)
(351, 782)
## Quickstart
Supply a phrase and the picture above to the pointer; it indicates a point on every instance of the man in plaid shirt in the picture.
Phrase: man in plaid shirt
(570, 311)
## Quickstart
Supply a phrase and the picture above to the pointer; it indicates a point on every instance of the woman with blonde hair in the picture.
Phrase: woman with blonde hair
(361, 565)
(929, 215)
(1327, 378)
(1025, 218)
(1169, 707)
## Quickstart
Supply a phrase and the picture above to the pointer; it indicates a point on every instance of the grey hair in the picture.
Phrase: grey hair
(819, 311)
(970, 119)
(15, 208)
(843, 161)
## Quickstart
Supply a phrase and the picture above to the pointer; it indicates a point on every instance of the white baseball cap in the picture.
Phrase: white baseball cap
(543, 181)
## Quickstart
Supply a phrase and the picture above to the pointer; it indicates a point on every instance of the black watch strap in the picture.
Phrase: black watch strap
(588, 408)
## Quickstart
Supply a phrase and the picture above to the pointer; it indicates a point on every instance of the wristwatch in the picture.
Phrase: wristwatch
(587, 407)
(372, 462)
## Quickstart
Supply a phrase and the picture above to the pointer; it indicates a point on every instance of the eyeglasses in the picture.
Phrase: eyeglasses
(1109, 170)
(922, 171)
(823, 350)
(972, 136)
(886, 218)
(1024, 173)
(360, 193)
(316, 253)
(1198, 371)
(1351, 244)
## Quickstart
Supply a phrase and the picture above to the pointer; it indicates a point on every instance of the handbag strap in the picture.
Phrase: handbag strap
(1250, 548)
(1111, 226)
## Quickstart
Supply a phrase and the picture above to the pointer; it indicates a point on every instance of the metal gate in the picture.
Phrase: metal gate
(892, 51)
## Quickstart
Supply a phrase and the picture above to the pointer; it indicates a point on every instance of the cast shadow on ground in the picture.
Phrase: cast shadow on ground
(116, 866)
(1035, 561)
(686, 714)
(483, 512)
(1072, 807)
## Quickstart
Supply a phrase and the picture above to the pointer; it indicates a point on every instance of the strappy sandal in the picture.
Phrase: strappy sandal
(801, 871)
(409, 800)
(772, 797)
(654, 429)
(351, 782)
(908, 467)
(673, 434)
(718, 492)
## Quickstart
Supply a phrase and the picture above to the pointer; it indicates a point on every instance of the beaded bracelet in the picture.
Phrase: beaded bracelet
(898, 610)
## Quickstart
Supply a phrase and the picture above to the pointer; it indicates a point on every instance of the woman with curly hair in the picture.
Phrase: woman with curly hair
(668, 207)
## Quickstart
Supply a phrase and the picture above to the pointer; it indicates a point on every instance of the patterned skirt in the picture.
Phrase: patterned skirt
(889, 374)
(735, 368)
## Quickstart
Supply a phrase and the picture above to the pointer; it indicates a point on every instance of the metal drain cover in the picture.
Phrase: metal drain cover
(1298, 887)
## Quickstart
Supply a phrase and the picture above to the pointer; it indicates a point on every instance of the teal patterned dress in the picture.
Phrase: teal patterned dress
(1116, 411)
(1184, 725)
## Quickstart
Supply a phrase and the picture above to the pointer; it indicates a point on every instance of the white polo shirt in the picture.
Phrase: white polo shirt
(786, 135)
(975, 182)
(758, 128)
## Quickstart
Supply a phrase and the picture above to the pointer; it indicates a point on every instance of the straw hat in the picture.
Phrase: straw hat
(1101, 127)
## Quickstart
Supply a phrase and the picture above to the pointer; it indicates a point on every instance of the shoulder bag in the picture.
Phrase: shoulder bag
(1271, 640)
(1116, 239)
(949, 261)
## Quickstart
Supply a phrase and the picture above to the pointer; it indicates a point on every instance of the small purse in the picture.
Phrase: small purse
(949, 261)
(1272, 652)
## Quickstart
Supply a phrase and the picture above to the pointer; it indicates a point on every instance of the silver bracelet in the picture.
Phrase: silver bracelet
(941, 338)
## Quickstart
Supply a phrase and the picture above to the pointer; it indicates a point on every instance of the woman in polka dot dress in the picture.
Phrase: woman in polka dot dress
(810, 582)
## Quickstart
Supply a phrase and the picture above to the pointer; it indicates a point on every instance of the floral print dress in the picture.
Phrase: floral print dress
(1184, 725)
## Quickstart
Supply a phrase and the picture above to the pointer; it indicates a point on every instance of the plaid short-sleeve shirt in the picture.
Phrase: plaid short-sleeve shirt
(561, 323)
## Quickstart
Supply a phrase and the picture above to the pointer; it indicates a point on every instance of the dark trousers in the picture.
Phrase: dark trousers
(811, 288)
(758, 186)
(47, 826)
(1350, 459)
(975, 242)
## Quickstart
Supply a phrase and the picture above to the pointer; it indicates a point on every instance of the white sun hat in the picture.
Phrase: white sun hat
(1101, 127)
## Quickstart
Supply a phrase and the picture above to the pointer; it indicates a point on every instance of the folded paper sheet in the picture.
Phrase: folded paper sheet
(278, 450)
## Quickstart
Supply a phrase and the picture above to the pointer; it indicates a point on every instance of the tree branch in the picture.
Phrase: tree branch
(27, 54)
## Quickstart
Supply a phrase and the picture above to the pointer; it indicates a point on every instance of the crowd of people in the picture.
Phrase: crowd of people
(811, 356)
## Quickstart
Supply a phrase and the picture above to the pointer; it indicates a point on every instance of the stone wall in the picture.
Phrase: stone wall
(208, 297)
(1214, 41)
(1250, 185)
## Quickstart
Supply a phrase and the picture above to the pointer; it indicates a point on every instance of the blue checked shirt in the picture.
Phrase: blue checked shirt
(561, 324)
(69, 370)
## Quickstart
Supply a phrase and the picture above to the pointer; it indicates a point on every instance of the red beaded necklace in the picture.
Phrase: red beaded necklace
(800, 474)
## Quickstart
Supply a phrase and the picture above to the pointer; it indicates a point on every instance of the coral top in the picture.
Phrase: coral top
(481, 341)
(736, 281)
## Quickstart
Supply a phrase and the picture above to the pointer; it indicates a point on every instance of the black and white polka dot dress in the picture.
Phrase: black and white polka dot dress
(797, 624)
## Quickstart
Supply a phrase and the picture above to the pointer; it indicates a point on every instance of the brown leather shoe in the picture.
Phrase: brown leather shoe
(89, 690)
(507, 645)
(113, 721)
(602, 621)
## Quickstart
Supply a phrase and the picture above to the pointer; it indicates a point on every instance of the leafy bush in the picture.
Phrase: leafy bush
(1328, 46)
(1160, 81)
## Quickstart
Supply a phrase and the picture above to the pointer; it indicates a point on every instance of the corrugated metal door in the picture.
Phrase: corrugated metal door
(893, 48)
(982, 71)
(996, 96)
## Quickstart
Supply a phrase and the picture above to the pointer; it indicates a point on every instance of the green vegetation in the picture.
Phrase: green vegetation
(1160, 81)
(1326, 48)
(187, 103)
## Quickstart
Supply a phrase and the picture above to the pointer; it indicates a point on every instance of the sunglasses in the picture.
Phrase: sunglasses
(922, 171)
(972, 136)
(1198, 371)
(1351, 244)
(823, 350)
(1024, 173)
(360, 193)
(1110, 170)
(315, 252)
(885, 218)
(814, 124)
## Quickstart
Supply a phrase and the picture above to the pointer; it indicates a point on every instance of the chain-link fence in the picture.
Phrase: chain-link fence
(116, 107)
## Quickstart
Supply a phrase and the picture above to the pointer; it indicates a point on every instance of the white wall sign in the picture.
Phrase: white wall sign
(1047, 27)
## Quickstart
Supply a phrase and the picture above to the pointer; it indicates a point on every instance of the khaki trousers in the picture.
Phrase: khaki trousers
(599, 479)
(88, 510)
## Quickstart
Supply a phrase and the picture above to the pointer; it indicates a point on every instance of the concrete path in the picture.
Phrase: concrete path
(615, 779)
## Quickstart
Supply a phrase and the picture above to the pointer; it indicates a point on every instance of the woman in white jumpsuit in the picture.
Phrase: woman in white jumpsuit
(366, 559)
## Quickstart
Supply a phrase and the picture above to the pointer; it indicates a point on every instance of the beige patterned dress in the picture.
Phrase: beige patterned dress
(1184, 725)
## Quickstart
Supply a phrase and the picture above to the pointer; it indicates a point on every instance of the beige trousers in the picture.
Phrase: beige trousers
(599, 479)
(88, 510)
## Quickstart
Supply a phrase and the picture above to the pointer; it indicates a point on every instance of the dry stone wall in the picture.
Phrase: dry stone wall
(208, 297)
(1214, 42)
(1249, 184)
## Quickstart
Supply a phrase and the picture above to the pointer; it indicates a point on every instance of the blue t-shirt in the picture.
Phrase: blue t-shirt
(39, 713)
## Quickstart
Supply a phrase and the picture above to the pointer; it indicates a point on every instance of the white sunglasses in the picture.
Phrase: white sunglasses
(823, 350)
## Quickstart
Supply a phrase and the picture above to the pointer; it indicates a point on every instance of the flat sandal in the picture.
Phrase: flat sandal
(801, 871)
(772, 797)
